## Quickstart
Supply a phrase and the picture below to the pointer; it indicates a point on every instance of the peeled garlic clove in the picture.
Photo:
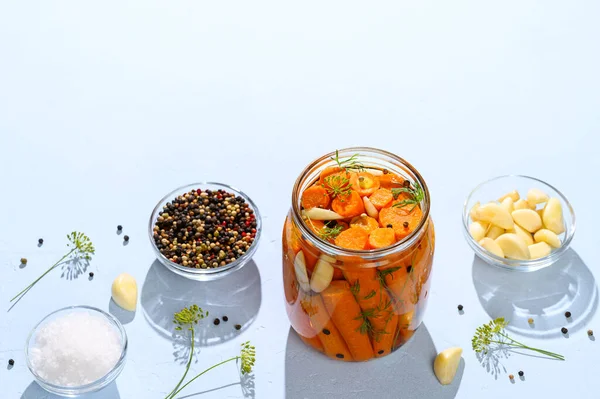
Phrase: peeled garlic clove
(321, 214)
(547, 236)
(494, 232)
(300, 269)
(124, 291)
(446, 364)
(536, 196)
(513, 246)
(370, 208)
(508, 204)
(491, 246)
(495, 214)
(477, 230)
(522, 204)
(328, 258)
(553, 216)
(374, 172)
(473, 211)
(541, 213)
(321, 276)
(524, 234)
(527, 219)
(539, 250)
(514, 195)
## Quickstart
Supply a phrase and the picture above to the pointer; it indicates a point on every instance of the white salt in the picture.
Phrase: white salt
(75, 349)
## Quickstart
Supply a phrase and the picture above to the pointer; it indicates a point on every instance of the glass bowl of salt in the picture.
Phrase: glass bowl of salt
(76, 350)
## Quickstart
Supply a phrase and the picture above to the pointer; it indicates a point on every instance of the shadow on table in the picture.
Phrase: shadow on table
(544, 296)
(124, 316)
(237, 296)
(406, 373)
(34, 391)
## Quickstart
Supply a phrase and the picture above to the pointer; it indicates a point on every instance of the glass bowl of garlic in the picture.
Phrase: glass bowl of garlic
(518, 223)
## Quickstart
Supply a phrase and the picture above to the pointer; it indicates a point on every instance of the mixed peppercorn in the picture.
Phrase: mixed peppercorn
(205, 229)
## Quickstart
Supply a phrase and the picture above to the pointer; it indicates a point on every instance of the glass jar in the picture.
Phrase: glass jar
(376, 298)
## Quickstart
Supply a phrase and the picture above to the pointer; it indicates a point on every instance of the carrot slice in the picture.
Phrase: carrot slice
(381, 238)
(327, 172)
(315, 196)
(377, 306)
(381, 198)
(346, 315)
(402, 219)
(390, 180)
(353, 238)
(364, 183)
(336, 182)
(315, 225)
(364, 222)
(334, 345)
(349, 205)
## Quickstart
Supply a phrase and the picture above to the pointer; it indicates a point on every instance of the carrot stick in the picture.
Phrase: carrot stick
(381, 238)
(353, 238)
(348, 205)
(401, 281)
(381, 198)
(364, 183)
(333, 342)
(377, 306)
(315, 196)
(347, 317)
(364, 222)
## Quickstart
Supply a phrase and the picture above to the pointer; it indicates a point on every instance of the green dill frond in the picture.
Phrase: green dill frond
(348, 164)
(370, 294)
(248, 356)
(355, 288)
(330, 233)
(416, 196)
(188, 317)
(82, 243)
(338, 186)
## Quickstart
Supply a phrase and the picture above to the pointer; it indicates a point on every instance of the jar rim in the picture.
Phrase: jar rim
(369, 254)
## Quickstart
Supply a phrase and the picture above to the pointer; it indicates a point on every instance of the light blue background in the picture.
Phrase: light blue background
(106, 106)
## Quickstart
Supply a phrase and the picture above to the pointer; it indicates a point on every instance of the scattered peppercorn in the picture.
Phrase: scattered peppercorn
(326, 331)
(380, 352)
(91, 274)
(11, 362)
(405, 224)
(217, 321)
(511, 377)
(564, 330)
(126, 238)
(119, 228)
(590, 333)
(530, 320)
(24, 261)
(225, 318)
(205, 229)
(521, 374)
(567, 314)
(460, 307)
(339, 356)
(41, 241)
(238, 327)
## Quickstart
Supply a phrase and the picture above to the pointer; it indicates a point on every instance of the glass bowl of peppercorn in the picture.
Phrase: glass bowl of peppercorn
(205, 231)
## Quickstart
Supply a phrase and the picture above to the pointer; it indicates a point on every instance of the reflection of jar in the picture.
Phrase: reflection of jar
(377, 298)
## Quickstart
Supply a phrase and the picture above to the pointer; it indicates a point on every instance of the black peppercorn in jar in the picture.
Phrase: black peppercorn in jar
(205, 231)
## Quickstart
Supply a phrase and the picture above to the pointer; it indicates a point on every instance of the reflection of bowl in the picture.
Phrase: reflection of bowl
(100, 383)
(237, 296)
(498, 186)
(204, 274)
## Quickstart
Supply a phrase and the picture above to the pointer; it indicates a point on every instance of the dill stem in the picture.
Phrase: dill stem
(187, 368)
(522, 346)
(40, 277)
(204, 372)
